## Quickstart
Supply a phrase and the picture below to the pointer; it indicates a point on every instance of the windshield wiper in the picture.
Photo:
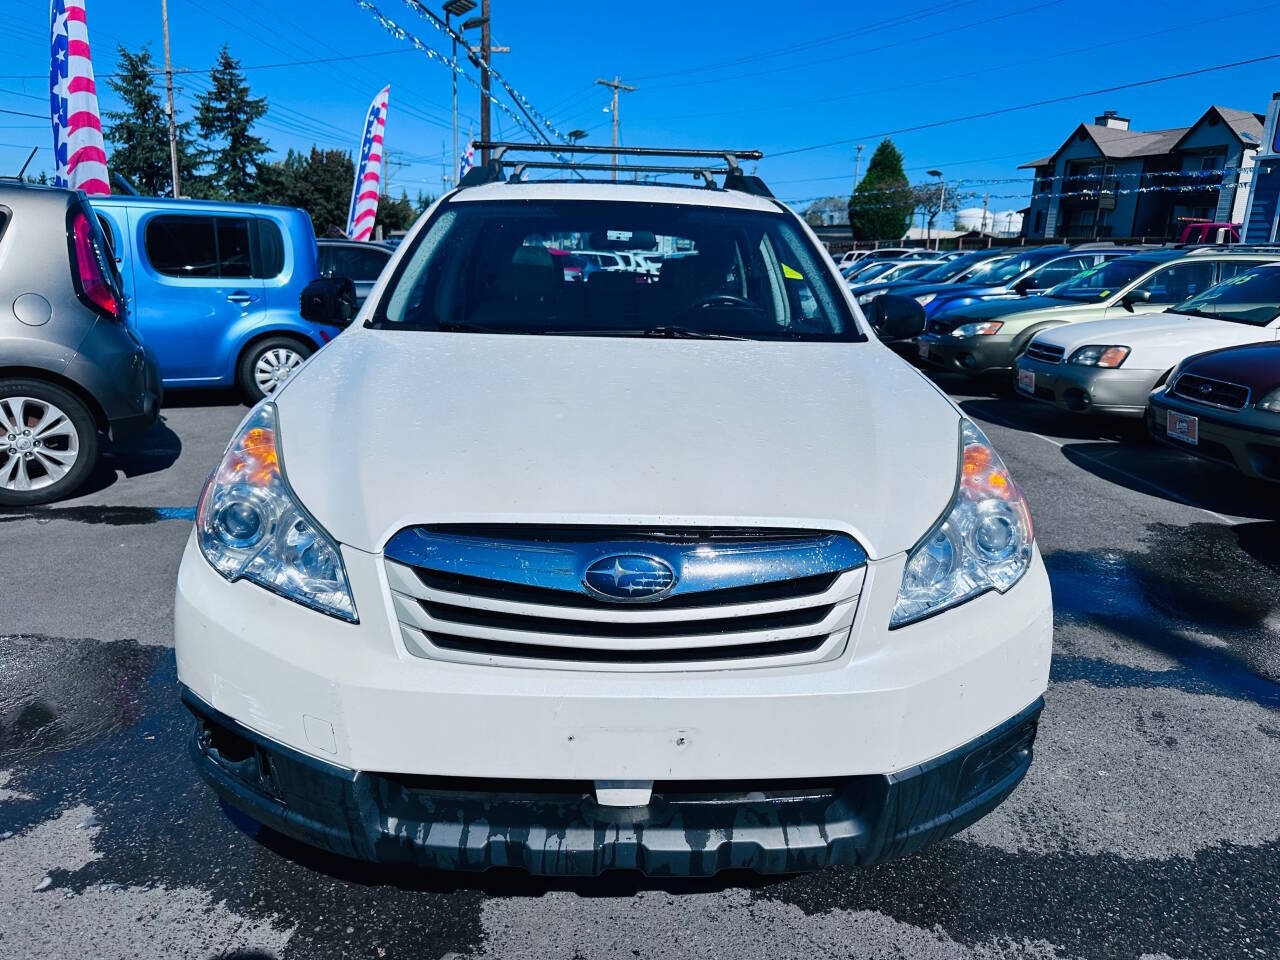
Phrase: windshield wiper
(451, 327)
(687, 333)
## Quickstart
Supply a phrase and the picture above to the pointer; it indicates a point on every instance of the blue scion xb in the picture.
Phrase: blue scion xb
(213, 288)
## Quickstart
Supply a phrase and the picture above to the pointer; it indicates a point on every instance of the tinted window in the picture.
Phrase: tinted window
(182, 246)
(1056, 271)
(487, 266)
(1101, 281)
(1179, 282)
(270, 249)
(1251, 297)
(233, 248)
(1230, 268)
(361, 264)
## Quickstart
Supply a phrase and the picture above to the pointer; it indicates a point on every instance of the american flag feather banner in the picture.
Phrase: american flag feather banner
(80, 161)
(364, 195)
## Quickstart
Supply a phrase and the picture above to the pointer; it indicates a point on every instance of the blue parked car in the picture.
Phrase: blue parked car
(213, 288)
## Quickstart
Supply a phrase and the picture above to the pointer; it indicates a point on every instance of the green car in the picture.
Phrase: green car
(985, 338)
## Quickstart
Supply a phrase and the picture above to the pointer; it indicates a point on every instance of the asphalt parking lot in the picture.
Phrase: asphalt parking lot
(1149, 825)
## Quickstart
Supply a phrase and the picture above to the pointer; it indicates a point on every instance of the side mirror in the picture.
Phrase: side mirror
(900, 318)
(330, 301)
(1025, 286)
(1135, 296)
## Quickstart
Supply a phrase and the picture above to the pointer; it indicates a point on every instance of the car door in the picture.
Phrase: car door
(194, 281)
(1174, 283)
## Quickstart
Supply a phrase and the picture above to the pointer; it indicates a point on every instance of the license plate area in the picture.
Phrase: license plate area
(1027, 381)
(1182, 426)
(923, 350)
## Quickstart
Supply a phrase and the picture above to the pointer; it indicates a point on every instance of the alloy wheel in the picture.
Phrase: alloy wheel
(38, 443)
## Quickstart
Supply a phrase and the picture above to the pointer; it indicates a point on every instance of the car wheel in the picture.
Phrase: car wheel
(48, 442)
(268, 364)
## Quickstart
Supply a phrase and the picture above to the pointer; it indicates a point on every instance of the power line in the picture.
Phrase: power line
(897, 21)
(1030, 106)
(858, 53)
(934, 81)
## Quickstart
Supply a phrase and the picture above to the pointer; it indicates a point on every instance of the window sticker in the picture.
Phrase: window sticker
(791, 274)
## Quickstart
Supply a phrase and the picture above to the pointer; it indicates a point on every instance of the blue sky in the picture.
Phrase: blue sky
(746, 74)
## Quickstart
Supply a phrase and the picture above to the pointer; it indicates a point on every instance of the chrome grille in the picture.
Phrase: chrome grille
(1045, 352)
(1214, 393)
(517, 597)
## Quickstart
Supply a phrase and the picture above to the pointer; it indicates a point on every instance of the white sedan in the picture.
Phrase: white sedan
(1110, 366)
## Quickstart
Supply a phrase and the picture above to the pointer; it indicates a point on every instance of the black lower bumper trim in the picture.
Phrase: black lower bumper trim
(544, 828)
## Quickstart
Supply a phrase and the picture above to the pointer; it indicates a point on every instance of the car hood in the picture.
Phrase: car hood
(386, 429)
(1257, 366)
(1156, 341)
(1042, 307)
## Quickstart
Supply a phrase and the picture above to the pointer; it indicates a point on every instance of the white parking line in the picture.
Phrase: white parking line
(1171, 494)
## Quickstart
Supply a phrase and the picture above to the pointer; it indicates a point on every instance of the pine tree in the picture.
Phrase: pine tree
(882, 203)
(318, 182)
(225, 115)
(395, 214)
(139, 134)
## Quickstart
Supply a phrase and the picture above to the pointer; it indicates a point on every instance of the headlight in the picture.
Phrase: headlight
(925, 298)
(251, 526)
(865, 298)
(982, 543)
(1271, 402)
(1099, 356)
(984, 329)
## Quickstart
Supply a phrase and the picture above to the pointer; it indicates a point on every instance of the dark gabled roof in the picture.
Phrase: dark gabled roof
(1116, 144)
(1246, 126)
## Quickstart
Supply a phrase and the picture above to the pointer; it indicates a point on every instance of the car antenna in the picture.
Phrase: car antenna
(22, 172)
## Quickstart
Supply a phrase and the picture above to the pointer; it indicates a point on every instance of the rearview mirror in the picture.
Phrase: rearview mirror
(330, 301)
(900, 318)
(1136, 296)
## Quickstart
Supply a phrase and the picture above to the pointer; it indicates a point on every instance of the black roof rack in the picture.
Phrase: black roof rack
(734, 178)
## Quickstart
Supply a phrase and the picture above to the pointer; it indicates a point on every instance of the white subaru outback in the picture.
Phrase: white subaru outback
(573, 570)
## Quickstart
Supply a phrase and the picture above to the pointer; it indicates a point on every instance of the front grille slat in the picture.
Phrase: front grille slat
(515, 596)
(1045, 352)
(1210, 392)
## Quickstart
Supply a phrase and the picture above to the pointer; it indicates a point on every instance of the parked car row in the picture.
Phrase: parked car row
(1187, 338)
(155, 295)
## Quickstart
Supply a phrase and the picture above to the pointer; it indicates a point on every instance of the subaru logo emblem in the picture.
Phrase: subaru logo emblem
(624, 577)
(1205, 388)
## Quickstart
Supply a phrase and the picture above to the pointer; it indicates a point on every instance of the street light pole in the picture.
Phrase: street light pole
(455, 8)
(942, 199)
(168, 84)
(857, 165)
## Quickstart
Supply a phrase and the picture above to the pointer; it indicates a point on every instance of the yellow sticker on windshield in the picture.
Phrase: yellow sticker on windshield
(1104, 294)
(791, 274)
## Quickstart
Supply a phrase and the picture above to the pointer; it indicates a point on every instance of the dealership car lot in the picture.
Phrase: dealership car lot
(1149, 823)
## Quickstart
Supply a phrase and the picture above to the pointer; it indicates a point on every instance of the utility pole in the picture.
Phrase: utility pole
(168, 85)
(615, 85)
(484, 78)
(986, 198)
(857, 165)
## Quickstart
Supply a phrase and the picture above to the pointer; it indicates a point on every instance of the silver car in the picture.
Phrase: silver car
(71, 370)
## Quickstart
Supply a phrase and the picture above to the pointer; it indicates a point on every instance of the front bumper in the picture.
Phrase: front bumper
(1082, 389)
(974, 356)
(1248, 440)
(548, 827)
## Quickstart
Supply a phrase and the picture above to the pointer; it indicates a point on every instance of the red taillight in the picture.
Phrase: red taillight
(91, 281)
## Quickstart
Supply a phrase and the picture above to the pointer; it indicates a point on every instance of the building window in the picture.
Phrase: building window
(1039, 227)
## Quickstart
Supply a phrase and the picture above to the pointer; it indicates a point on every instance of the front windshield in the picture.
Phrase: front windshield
(1251, 297)
(1102, 280)
(979, 272)
(488, 267)
(870, 271)
(942, 272)
(904, 271)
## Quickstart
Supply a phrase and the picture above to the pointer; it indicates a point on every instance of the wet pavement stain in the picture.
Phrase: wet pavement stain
(159, 825)
(1224, 580)
(100, 516)
(1221, 903)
